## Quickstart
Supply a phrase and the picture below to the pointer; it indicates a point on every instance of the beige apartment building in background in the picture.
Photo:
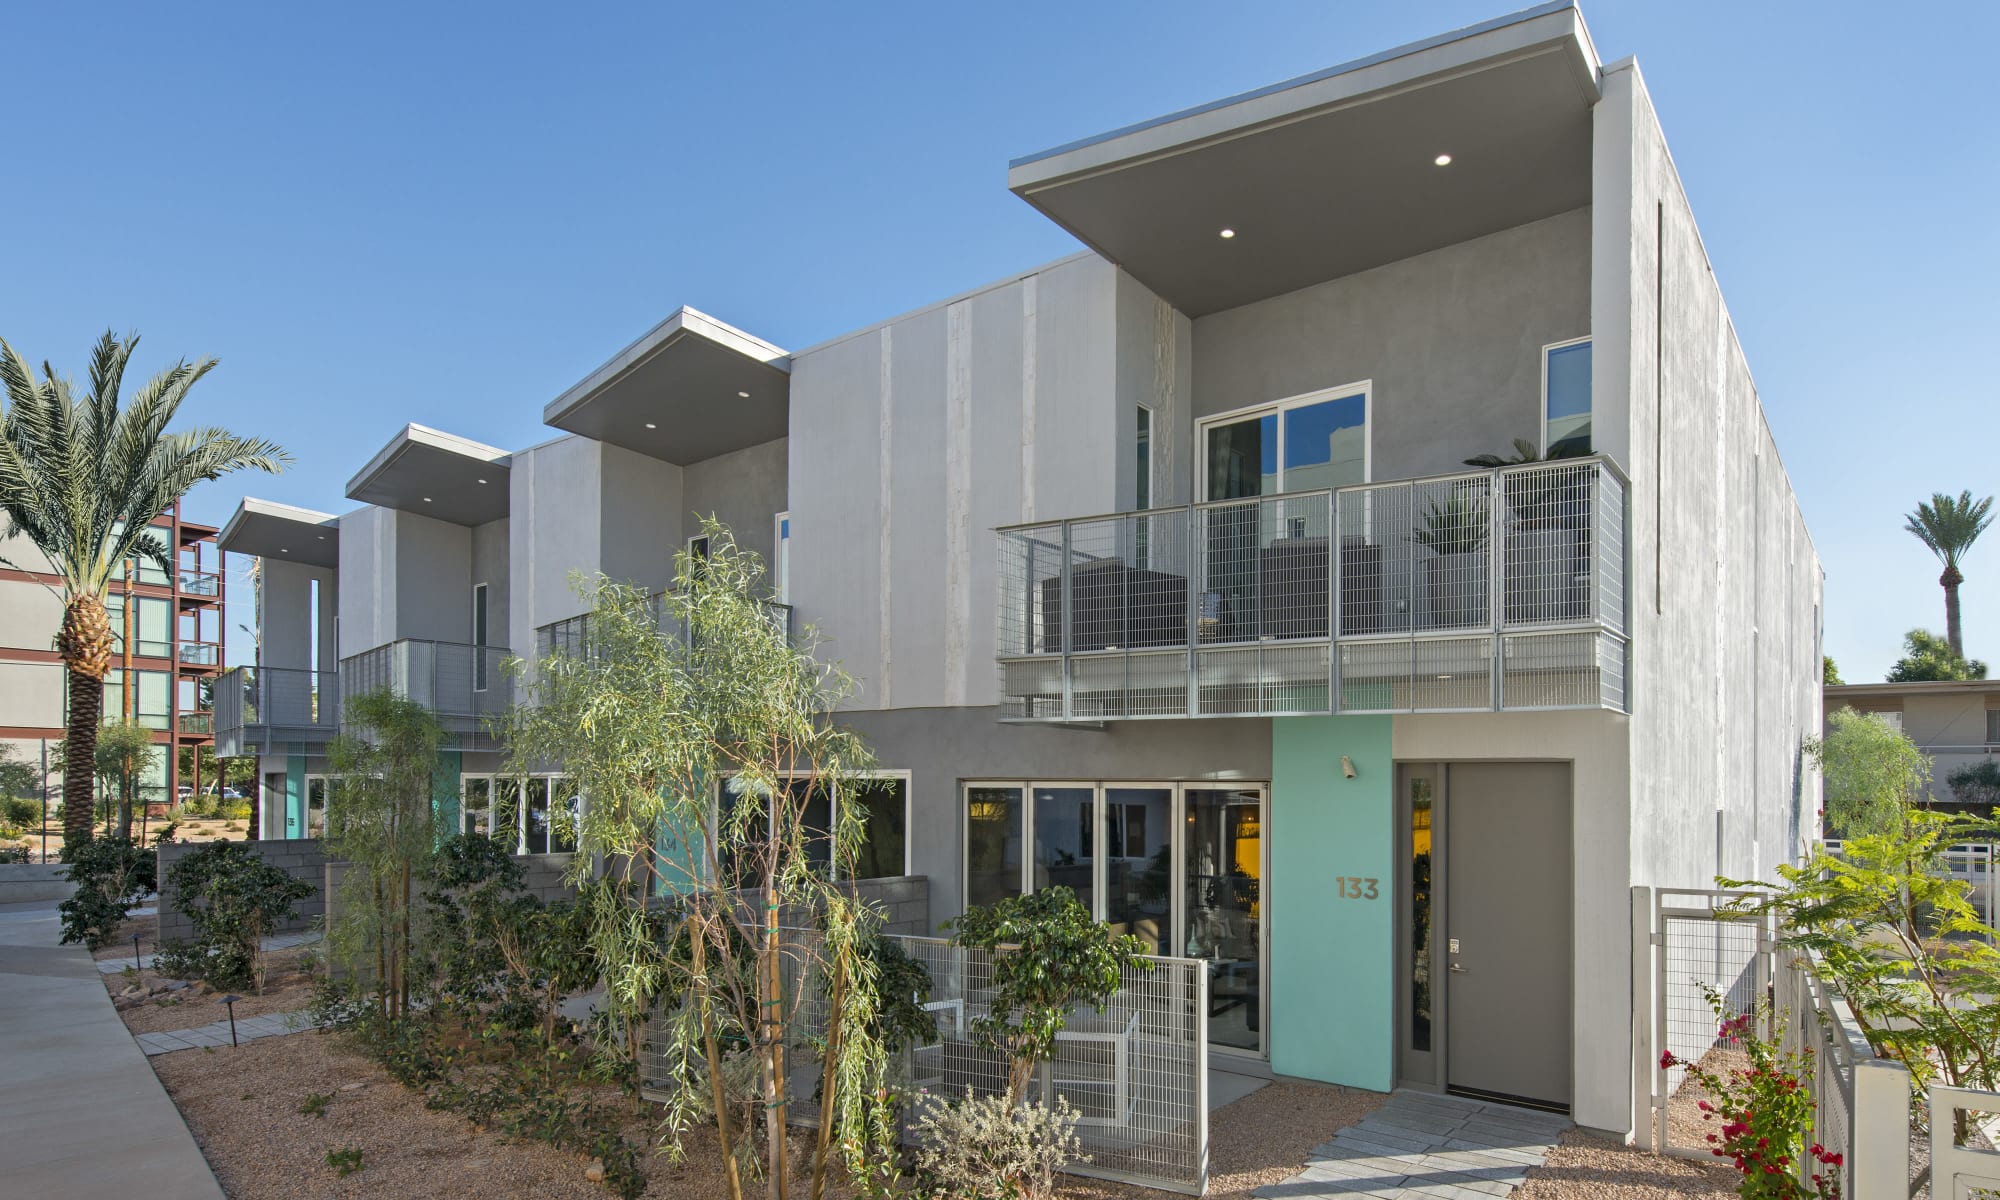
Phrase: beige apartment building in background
(169, 627)
(1957, 723)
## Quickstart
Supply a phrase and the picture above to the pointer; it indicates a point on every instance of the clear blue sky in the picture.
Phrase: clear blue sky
(374, 214)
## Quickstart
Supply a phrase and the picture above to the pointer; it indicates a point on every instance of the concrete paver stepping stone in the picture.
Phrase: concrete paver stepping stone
(1425, 1147)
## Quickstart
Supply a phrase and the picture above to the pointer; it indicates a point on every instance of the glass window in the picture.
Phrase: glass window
(1065, 828)
(992, 844)
(1243, 458)
(1224, 864)
(507, 814)
(475, 804)
(1293, 447)
(479, 637)
(1567, 380)
(1138, 863)
(883, 806)
(1143, 460)
(536, 835)
(1420, 913)
(155, 700)
(806, 798)
(1326, 444)
(315, 806)
(154, 627)
(1993, 726)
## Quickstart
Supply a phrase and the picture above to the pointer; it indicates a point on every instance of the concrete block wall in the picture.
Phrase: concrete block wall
(545, 876)
(904, 900)
(301, 858)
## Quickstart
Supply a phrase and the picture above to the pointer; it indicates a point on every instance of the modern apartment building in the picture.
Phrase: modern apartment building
(169, 627)
(1165, 579)
(1956, 723)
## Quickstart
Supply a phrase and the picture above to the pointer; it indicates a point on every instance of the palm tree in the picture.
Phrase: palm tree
(1949, 527)
(83, 480)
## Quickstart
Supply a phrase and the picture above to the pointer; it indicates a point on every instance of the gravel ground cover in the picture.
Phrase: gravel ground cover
(146, 928)
(1583, 1167)
(196, 1004)
(1262, 1139)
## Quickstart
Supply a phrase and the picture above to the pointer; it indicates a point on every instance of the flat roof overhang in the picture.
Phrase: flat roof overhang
(690, 389)
(282, 532)
(436, 474)
(1335, 172)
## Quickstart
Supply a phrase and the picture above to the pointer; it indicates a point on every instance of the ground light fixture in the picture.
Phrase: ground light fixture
(1442, 160)
(1347, 767)
(231, 1000)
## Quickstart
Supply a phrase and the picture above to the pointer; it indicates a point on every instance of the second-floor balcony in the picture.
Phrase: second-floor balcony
(197, 584)
(1478, 591)
(462, 685)
(267, 709)
(571, 636)
(198, 656)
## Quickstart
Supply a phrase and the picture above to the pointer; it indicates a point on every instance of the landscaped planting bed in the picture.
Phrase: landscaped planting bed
(164, 1004)
(1584, 1167)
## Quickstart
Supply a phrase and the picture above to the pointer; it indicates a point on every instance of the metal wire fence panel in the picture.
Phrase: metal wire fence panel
(1451, 564)
(1546, 530)
(1551, 670)
(1135, 1073)
(1451, 674)
(1533, 548)
(1609, 560)
(1818, 1025)
(1701, 950)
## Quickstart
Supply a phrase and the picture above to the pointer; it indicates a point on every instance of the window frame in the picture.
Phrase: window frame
(1542, 400)
(481, 613)
(1365, 388)
(833, 813)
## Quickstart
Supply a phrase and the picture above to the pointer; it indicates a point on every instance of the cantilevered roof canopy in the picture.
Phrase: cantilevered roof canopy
(690, 389)
(1336, 172)
(423, 470)
(282, 532)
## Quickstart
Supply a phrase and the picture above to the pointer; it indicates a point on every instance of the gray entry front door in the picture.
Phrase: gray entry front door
(1507, 931)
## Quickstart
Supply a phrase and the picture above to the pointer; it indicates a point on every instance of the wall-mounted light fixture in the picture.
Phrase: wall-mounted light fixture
(1347, 766)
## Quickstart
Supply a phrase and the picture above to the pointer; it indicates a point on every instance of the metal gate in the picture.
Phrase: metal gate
(1699, 947)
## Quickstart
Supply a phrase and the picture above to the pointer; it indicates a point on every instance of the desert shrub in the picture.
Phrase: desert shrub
(234, 899)
(112, 874)
(14, 854)
(235, 810)
(988, 1148)
(22, 812)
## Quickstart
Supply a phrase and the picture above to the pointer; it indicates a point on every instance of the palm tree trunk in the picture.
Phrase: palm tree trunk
(1954, 631)
(86, 706)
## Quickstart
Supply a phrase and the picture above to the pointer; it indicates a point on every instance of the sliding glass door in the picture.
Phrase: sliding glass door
(1180, 866)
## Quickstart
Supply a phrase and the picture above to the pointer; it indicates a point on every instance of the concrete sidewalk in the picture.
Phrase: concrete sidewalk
(84, 1114)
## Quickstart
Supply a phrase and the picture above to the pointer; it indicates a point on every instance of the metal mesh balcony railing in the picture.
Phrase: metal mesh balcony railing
(461, 685)
(200, 583)
(200, 654)
(1475, 591)
(260, 707)
(571, 636)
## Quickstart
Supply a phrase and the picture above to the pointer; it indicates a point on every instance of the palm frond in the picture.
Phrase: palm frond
(1949, 525)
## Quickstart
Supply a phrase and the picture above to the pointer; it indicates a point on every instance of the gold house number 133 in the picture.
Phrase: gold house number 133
(1358, 889)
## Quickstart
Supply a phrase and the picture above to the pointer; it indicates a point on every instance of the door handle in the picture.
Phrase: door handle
(1456, 969)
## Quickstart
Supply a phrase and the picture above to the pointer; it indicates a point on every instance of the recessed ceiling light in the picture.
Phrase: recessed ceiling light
(322, 537)
(1442, 160)
(743, 395)
(427, 499)
(650, 425)
(282, 550)
(1229, 233)
(482, 481)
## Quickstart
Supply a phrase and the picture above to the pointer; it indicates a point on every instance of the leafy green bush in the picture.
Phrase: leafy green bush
(14, 854)
(22, 812)
(1048, 958)
(112, 874)
(235, 810)
(344, 1161)
(234, 899)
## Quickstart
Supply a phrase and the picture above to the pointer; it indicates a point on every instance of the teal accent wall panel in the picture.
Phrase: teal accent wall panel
(295, 795)
(444, 790)
(1333, 956)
